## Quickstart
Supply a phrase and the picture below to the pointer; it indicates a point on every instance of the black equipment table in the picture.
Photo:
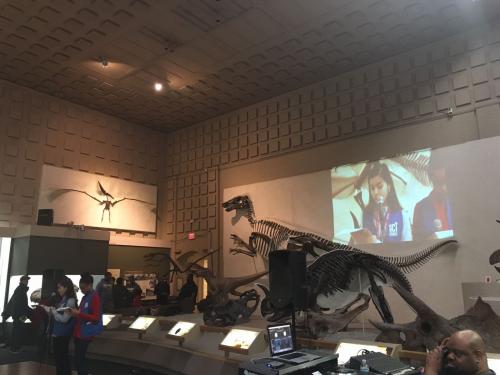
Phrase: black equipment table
(326, 362)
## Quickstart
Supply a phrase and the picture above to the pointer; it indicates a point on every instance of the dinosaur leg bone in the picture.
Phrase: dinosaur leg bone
(379, 300)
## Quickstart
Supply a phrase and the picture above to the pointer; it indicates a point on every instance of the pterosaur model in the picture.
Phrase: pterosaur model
(108, 201)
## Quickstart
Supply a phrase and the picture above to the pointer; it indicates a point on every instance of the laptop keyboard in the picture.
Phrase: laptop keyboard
(292, 355)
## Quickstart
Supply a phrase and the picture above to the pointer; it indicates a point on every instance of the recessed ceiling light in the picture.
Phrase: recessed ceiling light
(158, 86)
(103, 61)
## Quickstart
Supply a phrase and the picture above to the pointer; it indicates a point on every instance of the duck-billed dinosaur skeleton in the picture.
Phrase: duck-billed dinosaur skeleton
(336, 278)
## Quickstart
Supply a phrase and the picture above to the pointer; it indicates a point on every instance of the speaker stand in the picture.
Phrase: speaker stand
(294, 332)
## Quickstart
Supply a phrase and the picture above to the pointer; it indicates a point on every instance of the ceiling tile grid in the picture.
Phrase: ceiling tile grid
(462, 73)
(39, 129)
(212, 56)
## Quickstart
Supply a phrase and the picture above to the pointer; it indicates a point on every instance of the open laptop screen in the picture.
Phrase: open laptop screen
(280, 339)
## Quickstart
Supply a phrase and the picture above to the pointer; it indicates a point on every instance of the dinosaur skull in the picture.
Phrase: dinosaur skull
(240, 202)
(426, 332)
(495, 259)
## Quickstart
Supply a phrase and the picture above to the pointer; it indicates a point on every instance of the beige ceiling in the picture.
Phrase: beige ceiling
(212, 55)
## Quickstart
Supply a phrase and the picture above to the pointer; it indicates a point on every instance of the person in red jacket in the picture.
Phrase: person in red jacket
(88, 322)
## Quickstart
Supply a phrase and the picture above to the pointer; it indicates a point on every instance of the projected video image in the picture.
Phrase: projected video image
(403, 198)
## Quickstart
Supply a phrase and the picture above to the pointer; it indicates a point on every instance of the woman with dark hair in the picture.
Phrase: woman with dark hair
(63, 324)
(383, 216)
(88, 321)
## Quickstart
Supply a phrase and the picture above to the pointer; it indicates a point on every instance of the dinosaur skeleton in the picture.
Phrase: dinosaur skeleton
(218, 309)
(268, 235)
(179, 266)
(108, 202)
(318, 325)
(219, 288)
(335, 278)
(429, 328)
(234, 311)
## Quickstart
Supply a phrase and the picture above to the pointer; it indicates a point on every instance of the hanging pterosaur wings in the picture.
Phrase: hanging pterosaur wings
(130, 199)
(57, 193)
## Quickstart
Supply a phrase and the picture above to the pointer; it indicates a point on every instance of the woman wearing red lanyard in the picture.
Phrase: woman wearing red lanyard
(88, 321)
(383, 216)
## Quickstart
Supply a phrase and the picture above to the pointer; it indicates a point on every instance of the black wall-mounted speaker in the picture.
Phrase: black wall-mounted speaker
(45, 216)
(287, 277)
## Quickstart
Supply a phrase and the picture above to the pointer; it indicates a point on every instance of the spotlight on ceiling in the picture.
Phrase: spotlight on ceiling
(103, 61)
(158, 86)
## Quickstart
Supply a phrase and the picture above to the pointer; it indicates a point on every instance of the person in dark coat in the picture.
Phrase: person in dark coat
(105, 290)
(189, 289)
(162, 291)
(135, 290)
(121, 296)
(18, 309)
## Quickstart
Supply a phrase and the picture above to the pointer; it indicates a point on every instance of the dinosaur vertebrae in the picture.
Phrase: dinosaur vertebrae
(412, 262)
(268, 236)
(334, 271)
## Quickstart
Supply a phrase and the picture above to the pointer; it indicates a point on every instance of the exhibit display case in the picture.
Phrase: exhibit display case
(111, 321)
(142, 323)
(243, 341)
(184, 332)
(145, 325)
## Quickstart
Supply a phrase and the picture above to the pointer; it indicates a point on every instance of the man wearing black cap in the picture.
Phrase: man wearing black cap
(18, 309)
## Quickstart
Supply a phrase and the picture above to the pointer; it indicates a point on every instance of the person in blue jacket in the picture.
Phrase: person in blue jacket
(88, 321)
(63, 325)
(384, 216)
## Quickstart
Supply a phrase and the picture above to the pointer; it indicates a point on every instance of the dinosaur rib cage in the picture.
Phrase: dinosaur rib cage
(268, 236)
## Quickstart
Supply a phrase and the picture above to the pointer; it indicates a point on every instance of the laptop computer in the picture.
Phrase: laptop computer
(282, 345)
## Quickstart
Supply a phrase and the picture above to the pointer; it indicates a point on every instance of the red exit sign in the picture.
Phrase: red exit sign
(191, 236)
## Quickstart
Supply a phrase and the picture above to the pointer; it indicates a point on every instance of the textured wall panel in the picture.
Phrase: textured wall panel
(37, 129)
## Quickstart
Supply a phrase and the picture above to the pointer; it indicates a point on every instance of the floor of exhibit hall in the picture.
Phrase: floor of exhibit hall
(27, 363)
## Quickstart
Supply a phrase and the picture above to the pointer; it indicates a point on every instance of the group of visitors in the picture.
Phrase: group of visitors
(118, 294)
(81, 321)
(123, 293)
(67, 320)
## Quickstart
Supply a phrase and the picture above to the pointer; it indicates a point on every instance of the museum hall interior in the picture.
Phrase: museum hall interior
(249, 187)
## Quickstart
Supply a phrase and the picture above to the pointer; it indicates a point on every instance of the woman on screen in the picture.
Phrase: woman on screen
(384, 217)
